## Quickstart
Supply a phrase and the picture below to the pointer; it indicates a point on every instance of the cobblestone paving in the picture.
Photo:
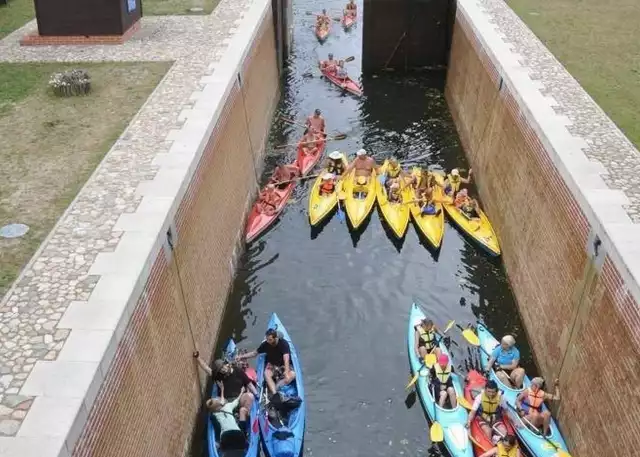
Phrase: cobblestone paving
(607, 144)
(58, 274)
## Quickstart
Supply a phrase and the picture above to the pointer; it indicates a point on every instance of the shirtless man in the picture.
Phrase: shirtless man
(329, 65)
(309, 142)
(268, 200)
(315, 121)
(363, 165)
(341, 73)
(351, 9)
(323, 19)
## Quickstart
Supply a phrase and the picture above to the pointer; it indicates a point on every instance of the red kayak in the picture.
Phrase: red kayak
(322, 33)
(348, 21)
(307, 162)
(473, 386)
(258, 222)
(347, 84)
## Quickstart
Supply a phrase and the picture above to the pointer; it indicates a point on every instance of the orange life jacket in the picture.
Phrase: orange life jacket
(535, 400)
(327, 187)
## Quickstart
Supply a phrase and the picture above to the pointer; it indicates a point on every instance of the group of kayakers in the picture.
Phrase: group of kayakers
(350, 10)
(489, 406)
(237, 391)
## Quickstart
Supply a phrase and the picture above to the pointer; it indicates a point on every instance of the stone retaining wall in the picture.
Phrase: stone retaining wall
(567, 237)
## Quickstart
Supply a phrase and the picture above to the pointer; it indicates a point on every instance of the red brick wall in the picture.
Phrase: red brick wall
(544, 235)
(148, 402)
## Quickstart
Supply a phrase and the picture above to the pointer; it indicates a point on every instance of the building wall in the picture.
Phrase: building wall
(149, 400)
(582, 325)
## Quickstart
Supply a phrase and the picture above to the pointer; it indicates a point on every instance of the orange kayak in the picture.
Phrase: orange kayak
(258, 222)
(307, 162)
(347, 84)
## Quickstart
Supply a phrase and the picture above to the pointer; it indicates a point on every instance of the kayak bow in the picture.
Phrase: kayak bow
(320, 206)
(430, 225)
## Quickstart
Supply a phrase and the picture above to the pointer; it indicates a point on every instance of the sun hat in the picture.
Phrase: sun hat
(335, 155)
(361, 152)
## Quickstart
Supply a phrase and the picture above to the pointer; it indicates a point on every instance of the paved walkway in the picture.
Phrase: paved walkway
(57, 281)
(606, 143)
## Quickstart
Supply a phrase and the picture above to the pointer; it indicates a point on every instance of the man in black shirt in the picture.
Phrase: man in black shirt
(278, 355)
(232, 380)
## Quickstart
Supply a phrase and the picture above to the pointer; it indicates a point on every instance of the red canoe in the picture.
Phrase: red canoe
(348, 84)
(474, 385)
(348, 21)
(258, 222)
(322, 33)
(307, 162)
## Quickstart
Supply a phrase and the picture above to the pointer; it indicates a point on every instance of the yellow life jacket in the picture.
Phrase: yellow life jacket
(502, 452)
(429, 337)
(442, 374)
(393, 172)
(455, 182)
(490, 406)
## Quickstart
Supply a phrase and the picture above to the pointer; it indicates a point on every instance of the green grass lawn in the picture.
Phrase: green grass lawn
(50, 145)
(14, 15)
(598, 43)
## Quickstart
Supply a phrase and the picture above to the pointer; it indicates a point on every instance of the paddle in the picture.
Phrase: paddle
(310, 74)
(341, 217)
(559, 451)
(464, 403)
(430, 358)
(339, 137)
(294, 179)
(436, 433)
(336, 136)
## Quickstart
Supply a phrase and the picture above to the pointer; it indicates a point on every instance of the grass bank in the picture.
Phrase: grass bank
(14, 15)
(51, 145)
(598, 44)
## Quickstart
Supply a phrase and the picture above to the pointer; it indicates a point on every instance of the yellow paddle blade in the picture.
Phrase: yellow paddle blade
(436, 433)
(413, 380)
(448, 327)
(471, 337)
(464, 403)
(556, 446)
(430, 359)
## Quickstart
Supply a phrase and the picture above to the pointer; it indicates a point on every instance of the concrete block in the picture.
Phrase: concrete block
(133, 250)
(606, 197)
(30, 446)
(60, 379)
(85, 346)
(52, 417)
(151, 223)
(93, 315)
(114, 288)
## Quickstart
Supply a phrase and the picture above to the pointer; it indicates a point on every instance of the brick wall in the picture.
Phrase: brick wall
(574, 307)
(148, 402)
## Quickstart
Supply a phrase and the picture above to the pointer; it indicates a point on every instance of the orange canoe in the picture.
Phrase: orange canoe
(259, 222)
(307, 161)
(348, 21)
(347, 84)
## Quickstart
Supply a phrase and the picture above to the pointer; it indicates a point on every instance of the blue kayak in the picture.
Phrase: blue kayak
(535, 443)
(453, 421)
(282, 438)
(253, 440)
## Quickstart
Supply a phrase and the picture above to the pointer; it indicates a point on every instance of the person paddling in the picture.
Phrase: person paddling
(442, 382)
(309, 142)
(529, 403)
(334, 164)
(426, 338)
(453, 181)
(507, 356)
(315, 122)
(323, 20)
(363, 165)
(489, 406)
(351, 9)
(506, 447)
(329, 65)
(268, 200)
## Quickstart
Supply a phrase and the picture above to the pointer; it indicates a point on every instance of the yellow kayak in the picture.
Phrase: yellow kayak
(358, 207)
(430, 225)
(395, 213)
(320, 206)
(480, 229)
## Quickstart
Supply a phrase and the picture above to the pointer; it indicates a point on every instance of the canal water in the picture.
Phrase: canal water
(345, 297)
